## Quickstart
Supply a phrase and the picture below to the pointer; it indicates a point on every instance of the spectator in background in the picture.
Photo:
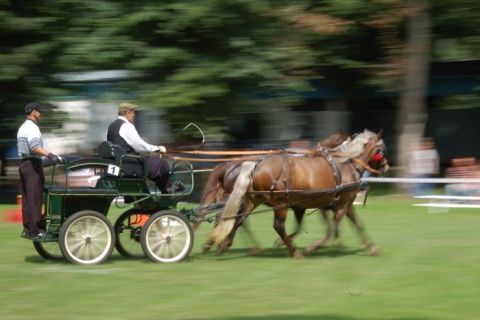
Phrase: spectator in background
(424, 163)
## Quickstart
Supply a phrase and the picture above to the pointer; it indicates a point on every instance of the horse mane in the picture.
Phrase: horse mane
(333, 142)
(356, 146)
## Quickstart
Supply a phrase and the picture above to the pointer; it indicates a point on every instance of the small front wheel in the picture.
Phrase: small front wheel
(167, 236)
(128, 228)
(87, 237)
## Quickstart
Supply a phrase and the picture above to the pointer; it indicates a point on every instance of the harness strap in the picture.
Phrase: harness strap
(336, 170)
(284, 170)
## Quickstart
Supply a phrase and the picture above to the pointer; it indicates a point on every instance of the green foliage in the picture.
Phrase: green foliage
(194, 55)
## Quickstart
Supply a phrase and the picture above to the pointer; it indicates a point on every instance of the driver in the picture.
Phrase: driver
(123, 132)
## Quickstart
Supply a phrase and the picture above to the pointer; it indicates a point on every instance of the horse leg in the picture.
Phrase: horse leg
(299, 213)
(279, 226)
(337, 217)
(207, 245)
(318, 244)
(370, 247)
(257, 247)
(247, 208)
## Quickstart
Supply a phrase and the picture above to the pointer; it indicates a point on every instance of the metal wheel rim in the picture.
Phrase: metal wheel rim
(168, 238)
(88, 240)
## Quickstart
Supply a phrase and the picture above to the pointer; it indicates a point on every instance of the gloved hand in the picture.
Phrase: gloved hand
(54, 157)
(162, 149)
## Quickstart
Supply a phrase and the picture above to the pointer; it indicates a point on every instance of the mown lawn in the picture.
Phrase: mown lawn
(428, 269)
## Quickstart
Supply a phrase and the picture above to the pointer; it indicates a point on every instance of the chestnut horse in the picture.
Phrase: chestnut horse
(221, 181)
(284, 181)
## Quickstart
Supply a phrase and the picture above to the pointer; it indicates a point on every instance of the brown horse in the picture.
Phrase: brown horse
(222, 179)
(284, 181)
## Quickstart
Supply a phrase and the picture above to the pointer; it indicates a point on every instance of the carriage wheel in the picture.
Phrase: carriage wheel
(48, 250)
(127, 229)
(87, 237)
(167, 237)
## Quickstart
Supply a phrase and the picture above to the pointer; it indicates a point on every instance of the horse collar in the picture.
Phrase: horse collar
(336, 170)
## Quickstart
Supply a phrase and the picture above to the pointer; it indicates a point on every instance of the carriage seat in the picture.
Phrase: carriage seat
(131, 166)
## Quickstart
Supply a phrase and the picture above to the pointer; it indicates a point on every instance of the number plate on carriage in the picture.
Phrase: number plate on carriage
(113, 170)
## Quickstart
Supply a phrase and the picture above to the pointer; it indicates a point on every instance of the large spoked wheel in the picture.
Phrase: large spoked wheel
(87, 237)
(48, 250)
(128, 228)
(167, 237)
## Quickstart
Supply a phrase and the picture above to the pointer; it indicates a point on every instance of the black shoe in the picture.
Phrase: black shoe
(176, 187)
(180, 186)
(42, 236)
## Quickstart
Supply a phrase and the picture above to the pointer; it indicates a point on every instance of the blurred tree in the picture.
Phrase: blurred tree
(412, 112)
(201, 60)
(27, 51)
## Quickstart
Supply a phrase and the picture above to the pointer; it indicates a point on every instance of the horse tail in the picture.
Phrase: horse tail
(226, 223)
(213, 191)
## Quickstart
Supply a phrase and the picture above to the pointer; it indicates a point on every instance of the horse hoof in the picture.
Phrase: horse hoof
(298, 255)
(257, 251)
(278, 244)
(309, 250)
(374, 251)
(221, 250)
(205, 248)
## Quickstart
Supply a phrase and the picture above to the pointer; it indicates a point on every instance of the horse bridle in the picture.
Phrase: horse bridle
(376, 152)
(380, 155)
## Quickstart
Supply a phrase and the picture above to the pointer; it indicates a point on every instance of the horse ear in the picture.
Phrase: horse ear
(380, 134)
(341, 132)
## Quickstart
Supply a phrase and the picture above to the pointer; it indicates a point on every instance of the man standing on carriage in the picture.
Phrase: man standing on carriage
(123, 132)
(30, 150)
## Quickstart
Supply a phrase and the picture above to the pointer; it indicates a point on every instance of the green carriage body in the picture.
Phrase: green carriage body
(120, 180)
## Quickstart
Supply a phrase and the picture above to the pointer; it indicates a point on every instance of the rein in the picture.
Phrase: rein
(254, 155)
(357, 161)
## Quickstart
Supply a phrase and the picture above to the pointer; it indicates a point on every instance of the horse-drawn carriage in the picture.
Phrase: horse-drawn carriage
(325, 179)
(75, 219)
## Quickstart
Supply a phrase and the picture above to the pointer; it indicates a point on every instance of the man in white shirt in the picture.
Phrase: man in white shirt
(30, 149)
(123, 132)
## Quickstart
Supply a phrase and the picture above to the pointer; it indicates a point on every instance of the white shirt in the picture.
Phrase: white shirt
(129, 133)
(29, 138)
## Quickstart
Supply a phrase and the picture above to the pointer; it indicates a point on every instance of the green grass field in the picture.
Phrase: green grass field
(428, 269)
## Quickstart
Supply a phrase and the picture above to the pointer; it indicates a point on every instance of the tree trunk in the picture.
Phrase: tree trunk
(412, 110)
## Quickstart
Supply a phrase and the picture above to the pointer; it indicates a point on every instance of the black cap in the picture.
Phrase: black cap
(32, 106)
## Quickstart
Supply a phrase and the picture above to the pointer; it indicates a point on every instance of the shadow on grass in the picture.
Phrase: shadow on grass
(280, 253)
(305, 317)
(39, 260)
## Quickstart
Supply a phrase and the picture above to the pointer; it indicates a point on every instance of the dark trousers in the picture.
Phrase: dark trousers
(159, 172)
(33, 179)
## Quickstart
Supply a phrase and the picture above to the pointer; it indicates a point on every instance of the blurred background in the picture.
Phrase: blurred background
(251, 74)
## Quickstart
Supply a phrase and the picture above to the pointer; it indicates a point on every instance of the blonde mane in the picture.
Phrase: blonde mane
(355, 147)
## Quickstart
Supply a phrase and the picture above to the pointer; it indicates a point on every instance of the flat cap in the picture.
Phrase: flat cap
(125, 106)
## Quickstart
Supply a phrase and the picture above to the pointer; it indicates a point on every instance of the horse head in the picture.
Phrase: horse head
(377, 159)
(368, 150)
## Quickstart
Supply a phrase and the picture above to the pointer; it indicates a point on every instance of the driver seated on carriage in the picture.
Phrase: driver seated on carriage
(123, 133)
